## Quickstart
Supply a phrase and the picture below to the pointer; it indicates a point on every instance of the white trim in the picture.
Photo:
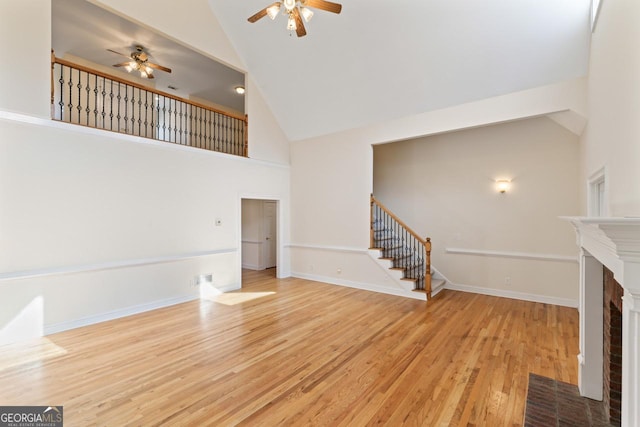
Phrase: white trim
(593, 207)
(38, 121)
(28, 274)
(282, 267)
(328, 248)
(360, 285)
(129, 311)
(564, 302)
(248, 266)
(116, 314)
(513, 254)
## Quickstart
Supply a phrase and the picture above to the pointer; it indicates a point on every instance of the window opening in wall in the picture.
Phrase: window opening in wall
(597, 194)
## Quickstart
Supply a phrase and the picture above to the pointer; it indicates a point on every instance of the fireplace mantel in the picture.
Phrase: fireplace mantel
(614, 243)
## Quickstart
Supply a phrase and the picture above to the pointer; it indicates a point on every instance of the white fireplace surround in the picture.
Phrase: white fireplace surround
(614, 243)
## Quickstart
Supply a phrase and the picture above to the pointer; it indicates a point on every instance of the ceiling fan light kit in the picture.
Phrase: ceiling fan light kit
(297, 11)
(140, 62)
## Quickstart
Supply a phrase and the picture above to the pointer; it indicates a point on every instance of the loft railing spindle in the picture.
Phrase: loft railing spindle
(181, 121)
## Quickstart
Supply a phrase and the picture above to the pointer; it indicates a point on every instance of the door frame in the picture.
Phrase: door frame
(280, 273)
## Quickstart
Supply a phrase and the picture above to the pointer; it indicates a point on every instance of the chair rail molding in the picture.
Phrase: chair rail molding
(513, 254)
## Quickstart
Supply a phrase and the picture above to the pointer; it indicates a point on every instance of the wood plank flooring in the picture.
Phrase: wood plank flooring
(296, 352)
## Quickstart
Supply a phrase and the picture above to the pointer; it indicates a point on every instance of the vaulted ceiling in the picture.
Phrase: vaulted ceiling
(382, 60)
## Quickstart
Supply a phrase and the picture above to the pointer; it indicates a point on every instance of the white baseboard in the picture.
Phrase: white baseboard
(128, 311)
(251, 266)
(116, 314)
(359, 285)
(229, 288)
(564, 302)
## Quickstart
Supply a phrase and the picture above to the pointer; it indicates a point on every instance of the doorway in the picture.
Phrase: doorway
(259, 234)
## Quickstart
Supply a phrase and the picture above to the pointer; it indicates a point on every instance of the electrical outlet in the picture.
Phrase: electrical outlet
(339, 271)
(507, 280)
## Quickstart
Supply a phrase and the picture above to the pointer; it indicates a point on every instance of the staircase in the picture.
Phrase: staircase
(402, 250)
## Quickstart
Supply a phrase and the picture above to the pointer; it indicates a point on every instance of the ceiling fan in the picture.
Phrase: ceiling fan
(296, 10)
(140, 62)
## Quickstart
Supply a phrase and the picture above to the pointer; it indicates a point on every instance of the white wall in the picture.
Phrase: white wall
(612, 136)
(96, 225)
(332, 177)
(86, 204)
(25, 27)
(443, 186)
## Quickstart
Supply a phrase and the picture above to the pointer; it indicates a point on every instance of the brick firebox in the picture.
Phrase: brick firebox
(612, 393)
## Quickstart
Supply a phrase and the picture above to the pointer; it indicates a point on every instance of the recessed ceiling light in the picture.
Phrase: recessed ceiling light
(239, 90)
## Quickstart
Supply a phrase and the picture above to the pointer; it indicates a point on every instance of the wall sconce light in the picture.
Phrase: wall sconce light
(503, 185)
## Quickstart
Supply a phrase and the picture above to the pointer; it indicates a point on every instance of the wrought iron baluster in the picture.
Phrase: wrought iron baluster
(198, 133)
(164, 118)
(188, 125)
(226, 135)
(95, 100)
(234, 139)
(133, 109)
(140, 112)
(61, 102)
(119, 98)
(175, 120)
(169, 128)
(70, 104)
(146, 112)
(104, 94)
(87, 109)
(79, 106)
(182, 127)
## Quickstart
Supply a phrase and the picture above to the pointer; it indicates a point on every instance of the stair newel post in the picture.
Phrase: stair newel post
(371, 233)
(427, 273)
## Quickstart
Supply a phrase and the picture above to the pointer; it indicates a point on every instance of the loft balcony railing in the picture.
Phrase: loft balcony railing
(87, 97)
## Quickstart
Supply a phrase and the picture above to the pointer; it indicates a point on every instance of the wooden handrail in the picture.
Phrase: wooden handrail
(426, 242)
(61, 61)
(399, 221)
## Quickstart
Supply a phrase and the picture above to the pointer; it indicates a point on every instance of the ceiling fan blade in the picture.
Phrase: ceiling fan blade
(300, 30)
(323, 5)
(122, 64)
(158, 67)
(261, 14)
(118, 53)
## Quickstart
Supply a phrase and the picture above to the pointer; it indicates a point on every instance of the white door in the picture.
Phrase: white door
(270, 233)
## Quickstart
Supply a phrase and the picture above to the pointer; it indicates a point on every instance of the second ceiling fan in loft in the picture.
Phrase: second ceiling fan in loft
(296, 10)
(140, 62)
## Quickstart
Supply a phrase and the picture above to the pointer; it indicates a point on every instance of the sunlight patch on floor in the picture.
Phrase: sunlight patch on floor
(12, 355)
(233, 298)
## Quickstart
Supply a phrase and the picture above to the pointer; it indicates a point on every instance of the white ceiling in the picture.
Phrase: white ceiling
(87, 31)
(381, 60)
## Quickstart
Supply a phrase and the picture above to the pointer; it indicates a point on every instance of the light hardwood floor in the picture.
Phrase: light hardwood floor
(295, 352)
